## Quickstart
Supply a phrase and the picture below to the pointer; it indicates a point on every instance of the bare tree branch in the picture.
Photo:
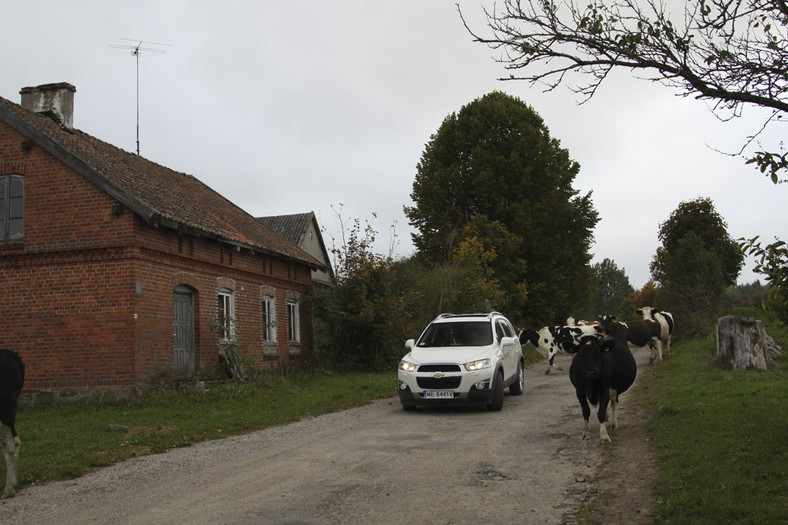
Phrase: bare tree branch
(731, 52)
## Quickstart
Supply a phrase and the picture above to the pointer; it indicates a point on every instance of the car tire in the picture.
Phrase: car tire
(497, 388)
(518, 386)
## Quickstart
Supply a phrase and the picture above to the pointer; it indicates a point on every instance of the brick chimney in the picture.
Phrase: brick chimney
(53, 100)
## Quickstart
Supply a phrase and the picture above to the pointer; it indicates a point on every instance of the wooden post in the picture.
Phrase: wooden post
(743, 343)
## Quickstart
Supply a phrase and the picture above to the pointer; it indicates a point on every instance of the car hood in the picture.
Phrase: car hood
(449, 354)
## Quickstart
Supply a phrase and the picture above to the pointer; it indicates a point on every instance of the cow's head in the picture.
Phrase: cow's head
(647, 312)
(529, 336)
(589, 358)
(605, 321)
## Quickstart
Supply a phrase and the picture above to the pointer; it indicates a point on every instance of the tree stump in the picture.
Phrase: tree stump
(743, 343)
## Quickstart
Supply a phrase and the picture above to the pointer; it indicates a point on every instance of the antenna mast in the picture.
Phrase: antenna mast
(135, 52)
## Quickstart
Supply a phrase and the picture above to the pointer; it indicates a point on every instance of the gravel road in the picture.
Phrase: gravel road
(373, 464)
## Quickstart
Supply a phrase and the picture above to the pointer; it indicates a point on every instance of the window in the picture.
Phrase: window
(12, 207)
(226, 315)
(269, 319)
(293, 324)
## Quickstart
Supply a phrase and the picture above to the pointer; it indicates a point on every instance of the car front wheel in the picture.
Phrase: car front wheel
(518, 386)
(497, 387)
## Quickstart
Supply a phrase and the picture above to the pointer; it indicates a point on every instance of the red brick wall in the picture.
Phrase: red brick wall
(86, 298)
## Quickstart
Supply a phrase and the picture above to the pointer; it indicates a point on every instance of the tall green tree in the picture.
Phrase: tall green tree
(495, 158)
(695, 264)
(693, 285)
(612, 286)
(700, 218)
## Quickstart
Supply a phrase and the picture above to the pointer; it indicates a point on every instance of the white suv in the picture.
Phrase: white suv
(462, 359)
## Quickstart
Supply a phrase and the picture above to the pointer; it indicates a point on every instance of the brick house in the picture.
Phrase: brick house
(117, 272)
(303, 230)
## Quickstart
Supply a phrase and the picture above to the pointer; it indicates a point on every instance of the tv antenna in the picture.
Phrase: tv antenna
(135, 52)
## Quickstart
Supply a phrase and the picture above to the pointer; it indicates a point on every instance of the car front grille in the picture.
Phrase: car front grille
(439, 368)
(439, 383)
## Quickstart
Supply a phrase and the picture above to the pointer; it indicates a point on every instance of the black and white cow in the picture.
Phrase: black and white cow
(12, 376)
(637, 333)
(553, 339)
(665, 320)
(600, 372)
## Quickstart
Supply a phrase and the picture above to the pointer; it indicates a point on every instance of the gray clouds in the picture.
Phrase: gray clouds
(286, 107)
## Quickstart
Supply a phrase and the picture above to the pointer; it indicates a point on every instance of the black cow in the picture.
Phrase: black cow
(553, 339)
(637, 333)
(600, 372)
(12, 376)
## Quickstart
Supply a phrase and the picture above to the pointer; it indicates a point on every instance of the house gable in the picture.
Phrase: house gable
(303, 230)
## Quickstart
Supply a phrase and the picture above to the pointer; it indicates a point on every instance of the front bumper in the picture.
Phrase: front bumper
(465, 387)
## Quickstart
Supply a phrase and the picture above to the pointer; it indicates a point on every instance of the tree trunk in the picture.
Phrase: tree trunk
(743, 343)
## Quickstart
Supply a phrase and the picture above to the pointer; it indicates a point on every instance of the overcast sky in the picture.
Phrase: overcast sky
(288, 107)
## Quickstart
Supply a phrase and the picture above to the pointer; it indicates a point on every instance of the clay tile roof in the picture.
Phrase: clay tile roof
(162, 196)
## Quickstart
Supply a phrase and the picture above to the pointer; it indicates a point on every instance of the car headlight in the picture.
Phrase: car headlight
(407, 367)
(477, 365)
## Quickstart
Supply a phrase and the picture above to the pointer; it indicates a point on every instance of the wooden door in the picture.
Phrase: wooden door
(183, 333)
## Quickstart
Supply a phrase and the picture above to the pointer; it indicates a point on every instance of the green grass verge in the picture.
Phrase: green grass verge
(64, 440)
(721, 437)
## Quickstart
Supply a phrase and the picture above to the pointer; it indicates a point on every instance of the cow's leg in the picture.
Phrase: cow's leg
(613, 406)
(602, 415)
(586, 413)
(550, 358)
(551, 361)
(656, 349)
(551, 353)
(10, 445)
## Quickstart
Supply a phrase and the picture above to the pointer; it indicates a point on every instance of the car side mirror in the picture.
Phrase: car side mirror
(410, 343)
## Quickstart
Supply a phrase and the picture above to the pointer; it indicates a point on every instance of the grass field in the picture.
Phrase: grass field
(721, 437)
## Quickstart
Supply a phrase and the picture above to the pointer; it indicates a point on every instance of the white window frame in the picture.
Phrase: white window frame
(293, 322)
(225, 315)
(268, 304)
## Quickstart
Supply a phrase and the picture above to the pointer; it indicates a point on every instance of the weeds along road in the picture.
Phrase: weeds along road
(374, 464)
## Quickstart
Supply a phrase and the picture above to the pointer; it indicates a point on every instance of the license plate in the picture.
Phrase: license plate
(438, 394)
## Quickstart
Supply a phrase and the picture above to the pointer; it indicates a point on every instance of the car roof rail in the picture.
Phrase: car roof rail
(488, 315)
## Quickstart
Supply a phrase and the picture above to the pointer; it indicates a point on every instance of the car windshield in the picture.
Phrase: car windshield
(467, 333)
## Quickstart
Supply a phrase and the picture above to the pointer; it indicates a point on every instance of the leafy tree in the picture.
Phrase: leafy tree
(495, 159)
(772, 261)
(693, 285)
(364, 317)
(699, 218)
(731, 52)
(695, 264)
(612, 287)
(649, 295)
